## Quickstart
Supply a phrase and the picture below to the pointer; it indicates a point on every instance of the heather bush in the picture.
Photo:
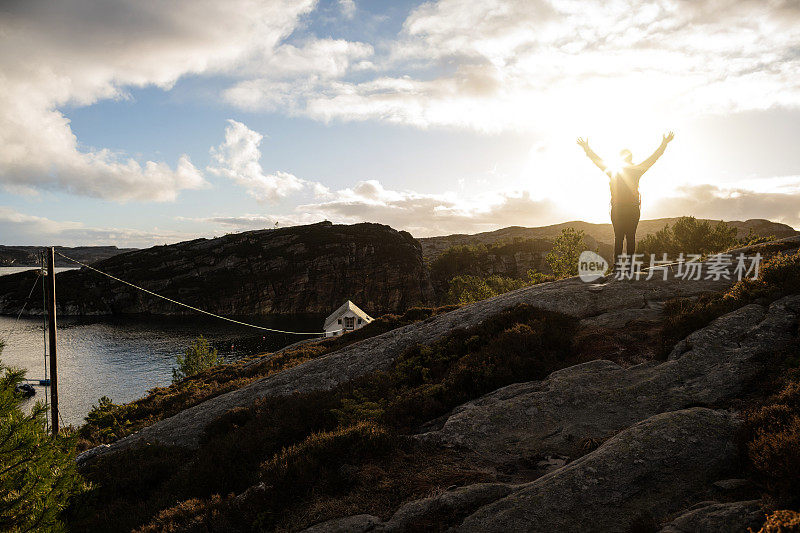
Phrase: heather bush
(773, 443)
(782, 521)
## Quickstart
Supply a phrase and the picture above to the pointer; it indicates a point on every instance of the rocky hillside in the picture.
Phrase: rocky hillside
(29, 255)
(602, 234)
(605, 432)
(302, 269)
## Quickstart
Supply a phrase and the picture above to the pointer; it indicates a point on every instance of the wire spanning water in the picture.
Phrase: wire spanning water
(123, 358)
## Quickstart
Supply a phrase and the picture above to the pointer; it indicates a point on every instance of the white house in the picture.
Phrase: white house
(347, 318)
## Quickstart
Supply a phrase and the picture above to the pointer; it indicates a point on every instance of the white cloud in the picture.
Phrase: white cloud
(23, 229)
(420, 214)
(426, 215)
(348, 8)
(734, 203)
(430, 214)
(77, 52)
(536, 65)
(238, 159)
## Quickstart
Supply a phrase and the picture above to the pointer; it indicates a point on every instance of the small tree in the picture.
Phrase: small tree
(198, 357)
(689, 236)
(38, 475)
(567, 248)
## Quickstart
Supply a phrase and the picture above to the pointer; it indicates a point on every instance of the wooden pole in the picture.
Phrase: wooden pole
(51, 314)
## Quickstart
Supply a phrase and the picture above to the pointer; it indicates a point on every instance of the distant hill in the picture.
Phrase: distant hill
(29, 255)
(295, 270)
(432, 247)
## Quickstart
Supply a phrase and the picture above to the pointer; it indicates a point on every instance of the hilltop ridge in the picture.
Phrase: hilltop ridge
(601, 234)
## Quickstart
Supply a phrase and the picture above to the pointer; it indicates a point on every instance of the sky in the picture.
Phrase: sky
(135, 123)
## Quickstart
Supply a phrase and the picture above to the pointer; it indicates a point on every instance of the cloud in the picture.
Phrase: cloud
(426, 215)
(238, 159)
(420, 214)
(526, 65)
(734, 203)
(348, 8)
(430, 214)
(23, 229)
(76, 52)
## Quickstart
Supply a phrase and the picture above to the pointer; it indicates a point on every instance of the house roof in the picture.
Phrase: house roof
(347, 306)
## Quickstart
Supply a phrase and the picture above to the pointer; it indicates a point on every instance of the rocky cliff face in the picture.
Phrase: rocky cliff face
(303, 269)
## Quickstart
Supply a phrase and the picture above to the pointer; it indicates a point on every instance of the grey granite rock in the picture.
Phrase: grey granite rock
(361, 523)
(713, 517)
(648, 470)
(597, 399)
(652, 469)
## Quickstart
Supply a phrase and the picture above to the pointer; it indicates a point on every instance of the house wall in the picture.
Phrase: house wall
(332, 329)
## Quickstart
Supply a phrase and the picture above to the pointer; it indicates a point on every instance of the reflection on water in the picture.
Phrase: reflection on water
(123, 358)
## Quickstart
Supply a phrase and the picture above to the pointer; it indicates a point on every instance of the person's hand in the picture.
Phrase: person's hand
(583, 143)
(667, 137)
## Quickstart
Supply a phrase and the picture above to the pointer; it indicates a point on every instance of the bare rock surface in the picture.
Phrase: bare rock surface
(651, 469)
(361, 523)
(714, 517)
(415, 515)
(594, 400)
(570, 296)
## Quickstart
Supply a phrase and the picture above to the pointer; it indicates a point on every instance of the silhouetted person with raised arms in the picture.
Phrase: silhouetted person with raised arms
(625, 198)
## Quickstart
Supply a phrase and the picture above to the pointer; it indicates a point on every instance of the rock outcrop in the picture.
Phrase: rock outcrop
(649, 470)
(597, 399)
(299, 270)
(659, 459)
(646, 472)
(570, 296)
(715, 517)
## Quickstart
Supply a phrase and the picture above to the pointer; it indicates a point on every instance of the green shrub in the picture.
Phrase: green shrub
(567, 248)
(461, 260)
(689, 236)
(199, 356)
(109, 420)
(38, 477)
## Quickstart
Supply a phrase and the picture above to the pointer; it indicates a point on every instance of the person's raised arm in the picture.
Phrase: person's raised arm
(584, 143)
(665, 140)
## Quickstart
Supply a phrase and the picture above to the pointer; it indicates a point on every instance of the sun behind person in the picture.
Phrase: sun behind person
(626, 201)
